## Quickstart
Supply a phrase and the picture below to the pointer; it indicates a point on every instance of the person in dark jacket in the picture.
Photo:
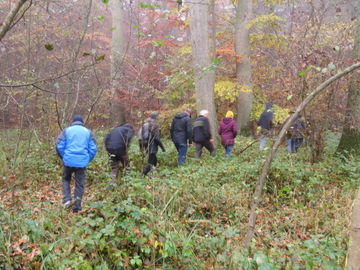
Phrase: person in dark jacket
(288, 133)
(76, 145)
(181, 133)
(228, 132)
(266, 123)
(151, 142)
(117, 143)
(202, 134)
(297, 133)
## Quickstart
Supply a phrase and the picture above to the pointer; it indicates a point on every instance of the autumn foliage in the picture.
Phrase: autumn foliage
(55, 62)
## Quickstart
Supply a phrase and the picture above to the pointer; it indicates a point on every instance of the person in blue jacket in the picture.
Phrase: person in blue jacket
(76, 145)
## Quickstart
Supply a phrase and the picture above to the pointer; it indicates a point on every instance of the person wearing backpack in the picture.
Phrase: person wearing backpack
(181, 133)
(297, 133)
(143, 135)
(228, 131)
(76, 145)
(117, 143)
(150, 141)
(202, 134)
(266, 123)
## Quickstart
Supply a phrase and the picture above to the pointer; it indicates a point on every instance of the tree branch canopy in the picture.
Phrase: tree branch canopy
(10, 18)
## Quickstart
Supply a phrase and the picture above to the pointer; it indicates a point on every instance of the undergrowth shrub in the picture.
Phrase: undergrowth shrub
(193, 217)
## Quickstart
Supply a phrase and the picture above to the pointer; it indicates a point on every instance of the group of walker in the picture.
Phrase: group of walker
(294, 136)
(182, 133)
(76, 145)
(200, 134)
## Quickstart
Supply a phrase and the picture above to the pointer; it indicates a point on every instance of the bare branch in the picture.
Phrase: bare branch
(48, 79)
(265, 169)
(10, 18)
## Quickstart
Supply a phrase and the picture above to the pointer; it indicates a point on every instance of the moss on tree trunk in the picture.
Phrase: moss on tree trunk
(350, 142)
(248, 129)
(350, 138)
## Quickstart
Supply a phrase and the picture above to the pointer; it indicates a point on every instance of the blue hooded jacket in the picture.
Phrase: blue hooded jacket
(76, 145)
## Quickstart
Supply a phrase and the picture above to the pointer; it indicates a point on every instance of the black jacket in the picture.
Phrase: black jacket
(180, 129)
(266, 118)
(298, 128)
(201, 129)
(151, 145)
(119, 138)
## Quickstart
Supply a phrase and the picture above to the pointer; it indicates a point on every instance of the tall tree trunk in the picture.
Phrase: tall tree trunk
(353, 256)
(213, 29)
(243, 66)
(350, 138)
(204, 74)
(265, 169)
(117, 107)
(67, 112)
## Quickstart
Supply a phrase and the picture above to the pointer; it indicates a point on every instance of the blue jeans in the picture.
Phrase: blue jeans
(264, 134)
(288, 141)
(228, 150)
(182, 150)
(262, 143)
(79, 185)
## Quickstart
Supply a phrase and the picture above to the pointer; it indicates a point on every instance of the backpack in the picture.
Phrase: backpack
(143, 134)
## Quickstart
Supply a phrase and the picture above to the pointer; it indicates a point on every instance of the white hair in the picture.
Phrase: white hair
(203, 112)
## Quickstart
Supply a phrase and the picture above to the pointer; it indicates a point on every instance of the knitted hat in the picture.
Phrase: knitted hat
(79, 118)
(230, 114)
(154, 115)
(203, 112)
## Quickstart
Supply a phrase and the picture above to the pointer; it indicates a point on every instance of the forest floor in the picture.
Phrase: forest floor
(193, 217)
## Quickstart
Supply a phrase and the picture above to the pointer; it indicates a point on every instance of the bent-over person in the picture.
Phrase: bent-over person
(117, 143)
(150, 141)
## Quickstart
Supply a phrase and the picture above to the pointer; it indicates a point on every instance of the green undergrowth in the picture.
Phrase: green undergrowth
(193, 217)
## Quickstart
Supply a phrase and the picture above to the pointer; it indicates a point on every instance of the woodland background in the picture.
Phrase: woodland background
(117, 61)
(56, 61)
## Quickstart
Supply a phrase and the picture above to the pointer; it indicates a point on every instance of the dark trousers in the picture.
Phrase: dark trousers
(152, 161)
(295, 144)
(207, 144)
(79, 185)
(115, 158)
